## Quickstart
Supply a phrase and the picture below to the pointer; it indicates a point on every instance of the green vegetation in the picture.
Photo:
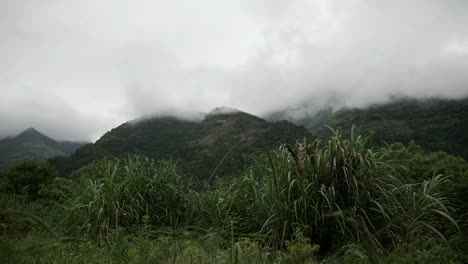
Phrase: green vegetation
(27, 178)
(434, 124)
(125, 193)
(338, 201)
(32, 145)
(199, 147)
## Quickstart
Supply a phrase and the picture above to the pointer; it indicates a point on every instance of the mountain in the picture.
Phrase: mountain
(198, 146)
(435, 124)
(313, 122)
(31, 144)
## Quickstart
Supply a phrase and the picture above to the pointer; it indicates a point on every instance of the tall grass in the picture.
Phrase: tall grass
(335, 192)
(122, 193)
(337, 196)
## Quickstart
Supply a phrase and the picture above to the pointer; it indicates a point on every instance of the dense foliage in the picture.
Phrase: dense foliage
(124, 193)
(434, 124)
(418, 165)
(27, 178)
(200, 147)
(339, 201)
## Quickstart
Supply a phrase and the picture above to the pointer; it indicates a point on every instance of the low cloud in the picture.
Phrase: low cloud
(78, 68)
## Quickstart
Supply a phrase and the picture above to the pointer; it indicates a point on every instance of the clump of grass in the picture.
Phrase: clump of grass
(336, 192)
(121, 193)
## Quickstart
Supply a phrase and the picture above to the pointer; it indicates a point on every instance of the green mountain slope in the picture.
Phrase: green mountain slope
(199, 146)
(313, 122)
(435, 124)
(32, 145)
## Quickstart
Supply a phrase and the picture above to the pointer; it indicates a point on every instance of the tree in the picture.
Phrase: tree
(28, 177)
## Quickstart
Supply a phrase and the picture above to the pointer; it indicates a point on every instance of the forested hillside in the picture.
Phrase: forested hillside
(219, 139)
(32, 145)
(435, 124)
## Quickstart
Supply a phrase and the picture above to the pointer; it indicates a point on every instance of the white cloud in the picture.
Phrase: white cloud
(78, 68)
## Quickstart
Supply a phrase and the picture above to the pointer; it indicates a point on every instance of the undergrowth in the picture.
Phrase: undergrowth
(340, 201)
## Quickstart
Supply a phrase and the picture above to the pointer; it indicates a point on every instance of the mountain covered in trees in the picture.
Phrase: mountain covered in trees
(203, 148)
(344, 200)
(435, 124)
(32, 145)
(225, 137)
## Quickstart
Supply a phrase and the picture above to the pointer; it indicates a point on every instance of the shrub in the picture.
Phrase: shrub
(300, 249)
(28, 177)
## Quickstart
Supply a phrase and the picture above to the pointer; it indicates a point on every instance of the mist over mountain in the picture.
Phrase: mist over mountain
(32, 145)
(214, 145)
(434, 123)
(234, 131)
(73, 74)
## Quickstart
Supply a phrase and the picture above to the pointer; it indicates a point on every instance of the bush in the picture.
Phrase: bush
(300, 249)
(417, 166)
(28, 177)
(58, 190)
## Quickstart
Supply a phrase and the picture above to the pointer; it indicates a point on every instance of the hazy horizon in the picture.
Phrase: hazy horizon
(75, 69)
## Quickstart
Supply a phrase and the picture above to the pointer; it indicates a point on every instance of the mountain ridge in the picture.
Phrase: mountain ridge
(434, 123)
(32, 144)
(199, 146)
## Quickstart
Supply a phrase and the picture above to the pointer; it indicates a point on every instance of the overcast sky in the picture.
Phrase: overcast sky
(75, 69)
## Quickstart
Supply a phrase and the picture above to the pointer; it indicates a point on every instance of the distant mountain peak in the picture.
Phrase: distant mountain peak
(32, 145)
(223, 110)
(197, 146)
(30, 132)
